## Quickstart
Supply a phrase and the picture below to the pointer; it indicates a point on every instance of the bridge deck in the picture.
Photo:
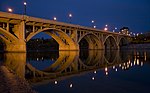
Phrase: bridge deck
(14, 18)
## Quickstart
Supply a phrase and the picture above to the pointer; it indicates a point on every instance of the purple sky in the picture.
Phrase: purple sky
(134, 14)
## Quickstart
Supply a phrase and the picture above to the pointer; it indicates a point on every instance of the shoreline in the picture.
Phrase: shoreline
(11, 83)
(139, 46)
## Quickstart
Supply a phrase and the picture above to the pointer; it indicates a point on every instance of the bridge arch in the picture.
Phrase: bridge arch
(110, 42)
(123, 41)
(110, 56)
(90, 59)
(93, 41)
(10, 42)
(64, 41)
(66, 60)
(3, 40)
(7, 36)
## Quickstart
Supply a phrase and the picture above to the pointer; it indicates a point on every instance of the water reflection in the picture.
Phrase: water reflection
(36, 67)
(15, 62)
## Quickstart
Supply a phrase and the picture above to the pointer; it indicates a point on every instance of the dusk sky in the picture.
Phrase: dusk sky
(134, 14)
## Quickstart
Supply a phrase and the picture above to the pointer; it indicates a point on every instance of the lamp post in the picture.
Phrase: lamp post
(92, 23)
(106, 27)
(70, 16)
(25, 6)
(115, 29)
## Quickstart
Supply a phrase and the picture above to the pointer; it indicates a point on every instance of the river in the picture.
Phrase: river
(85, 71)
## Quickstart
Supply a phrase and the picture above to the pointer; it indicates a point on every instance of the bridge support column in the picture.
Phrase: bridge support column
(15, 47)
(18, 45)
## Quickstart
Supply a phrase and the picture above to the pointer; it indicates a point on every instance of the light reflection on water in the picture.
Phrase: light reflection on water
(92, 71)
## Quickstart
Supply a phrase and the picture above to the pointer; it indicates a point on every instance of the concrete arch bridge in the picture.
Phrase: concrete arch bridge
(16, 30)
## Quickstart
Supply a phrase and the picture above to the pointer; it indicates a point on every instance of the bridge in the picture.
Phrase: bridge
(16, 30)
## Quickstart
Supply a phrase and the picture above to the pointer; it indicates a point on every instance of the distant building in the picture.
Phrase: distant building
(125, 30)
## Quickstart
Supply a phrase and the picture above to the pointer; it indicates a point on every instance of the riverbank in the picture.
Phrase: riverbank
(140, 46)
(137, 46)
(11, 83)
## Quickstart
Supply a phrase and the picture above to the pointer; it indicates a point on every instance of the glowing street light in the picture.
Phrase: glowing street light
(94, 26)
(10, 10)
(105, 29)
(115, 29)
(25, 4)
(92, 21)
(55, 18)
(70, 15)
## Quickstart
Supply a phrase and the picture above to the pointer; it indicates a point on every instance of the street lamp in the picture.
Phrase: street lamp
(106, 27)
(94, 26)
(55, 18)
(10, 10)
(25, 4)
(92, 23)
(70, 16)
(115, 29)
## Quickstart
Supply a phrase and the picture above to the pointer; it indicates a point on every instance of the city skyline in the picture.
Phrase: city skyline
(115, 13)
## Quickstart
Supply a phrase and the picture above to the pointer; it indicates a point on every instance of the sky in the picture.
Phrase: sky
(134, 14)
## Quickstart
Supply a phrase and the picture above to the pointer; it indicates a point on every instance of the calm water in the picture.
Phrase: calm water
(126, 71)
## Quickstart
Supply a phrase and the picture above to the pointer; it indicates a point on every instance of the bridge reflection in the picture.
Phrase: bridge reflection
(70, 63)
